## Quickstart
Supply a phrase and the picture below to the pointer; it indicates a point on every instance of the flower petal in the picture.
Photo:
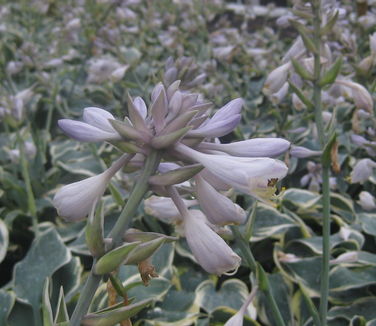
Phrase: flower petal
(84, 132)
(209, 249)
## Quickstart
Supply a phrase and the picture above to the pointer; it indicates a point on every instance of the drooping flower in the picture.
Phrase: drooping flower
(219, 209)
(209, 249)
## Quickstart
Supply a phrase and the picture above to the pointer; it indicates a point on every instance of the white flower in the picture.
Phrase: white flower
(276, 79)
(75, 201)
(164, 208)
(219, 209)
(253, 176)
(362, 170)
(366, 201)
(209, 249)
(95, 127)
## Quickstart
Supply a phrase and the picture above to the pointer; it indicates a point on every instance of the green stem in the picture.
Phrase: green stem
(86, 296)
(316, 6)
(29, 190)
(137, 194)
(244, 248)
(326, 246)
(252, 264)
(135, 198)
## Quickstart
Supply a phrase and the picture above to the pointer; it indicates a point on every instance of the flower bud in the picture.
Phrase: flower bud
(276, 79)
(209, 249)
(302, 152)
(74, 201)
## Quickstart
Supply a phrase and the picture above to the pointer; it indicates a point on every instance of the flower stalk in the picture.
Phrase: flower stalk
(137, 194)
(317, 88)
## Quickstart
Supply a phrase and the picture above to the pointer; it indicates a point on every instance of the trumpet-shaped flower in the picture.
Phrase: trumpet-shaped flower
(74, 201)
(253, 176)
(209, 249)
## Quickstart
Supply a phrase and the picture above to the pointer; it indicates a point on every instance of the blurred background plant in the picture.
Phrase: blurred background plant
(58, 57)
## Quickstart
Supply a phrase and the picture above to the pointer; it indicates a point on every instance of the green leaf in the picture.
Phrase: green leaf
(326, 155)
(270, 222)
(301, 70)
(94, 231)
(61, 311)
(342, 278)
(232, 294)
(332, 73)
(46, 305)
(46, 255)
(222, 314)
(114, 258)
(363, 307)
(114, 316)
(7, 300)
(281, 291)
(176, 176)
(305, 34)
(368, 223)
(301, 96)
(327, 28)
(4, 240)
(300, 199)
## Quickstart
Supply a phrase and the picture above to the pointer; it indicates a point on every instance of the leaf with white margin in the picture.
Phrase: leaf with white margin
(363, 307)
(232, 294)
(4, 240)
(270, 222)
(300, 199)
(46, 255)
(282, 291)
(7, 300)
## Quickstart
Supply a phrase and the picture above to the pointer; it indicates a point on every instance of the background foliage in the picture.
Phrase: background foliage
(46, 59)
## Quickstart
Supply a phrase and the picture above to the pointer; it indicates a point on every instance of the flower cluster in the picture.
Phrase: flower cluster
(177, 124)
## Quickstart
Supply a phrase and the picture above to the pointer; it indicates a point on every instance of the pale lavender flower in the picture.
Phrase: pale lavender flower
(95, 126)
(75, 201)
(362, 170)
(313, 178)
(366, 201)
(256, 147)
(218, 209)
(164, 208)
(253, 176)
(303, 152)
(276, 79)
(210, 250)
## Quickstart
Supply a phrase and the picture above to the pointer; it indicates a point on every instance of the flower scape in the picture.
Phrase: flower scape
(187, 163)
